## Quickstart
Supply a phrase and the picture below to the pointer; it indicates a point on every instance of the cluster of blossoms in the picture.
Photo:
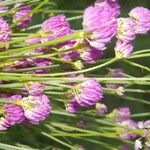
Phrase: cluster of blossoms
(100, 25)
(25, 109)
(138, 22)
(129, 129)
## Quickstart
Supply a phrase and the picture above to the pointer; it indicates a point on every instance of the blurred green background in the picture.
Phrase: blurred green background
(31, 136)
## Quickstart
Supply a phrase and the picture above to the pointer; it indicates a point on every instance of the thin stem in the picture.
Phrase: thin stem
(138, 65)
(64, 11)
(142, 51)
(84, 70)
(52, 42)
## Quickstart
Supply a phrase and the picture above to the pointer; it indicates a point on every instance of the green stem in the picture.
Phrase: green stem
(64, 11)
(127, 90)
(141, 115)
(52, 42)
(85, 70)
(139, 56)
(36, 68)
(142, 51)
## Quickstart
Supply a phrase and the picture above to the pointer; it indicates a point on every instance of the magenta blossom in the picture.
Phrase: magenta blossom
(90, 54)
(5, 31)
(130, 124)
(13, 114)
(55, 27)
(123, 49)
(126, 29)
(86, 94)
(121, 113)
(36, 108)
(101, 23)
(141, 17)
(110, 5)
(23, 10)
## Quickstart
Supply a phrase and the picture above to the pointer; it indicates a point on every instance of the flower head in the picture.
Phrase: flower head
(72, 107)
(126, 29)
(55, 27)
(90, 54)
(24, 10)
(36, 108)
(87, 93)
(110, 5)
(121, 113)
(101, 109)
(35, 88)
(141, 16)
(13, 113)
(102, 25)
(5, 31)
(123, 49)
(130, 124)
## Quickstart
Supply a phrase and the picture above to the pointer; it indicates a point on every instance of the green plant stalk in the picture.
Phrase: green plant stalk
(126, 90)
(52, 42)
(138, 65)
(64, 11)
(141, 51)
(59, 141)
(141, 115)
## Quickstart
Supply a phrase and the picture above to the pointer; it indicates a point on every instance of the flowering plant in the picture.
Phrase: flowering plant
(58, 84)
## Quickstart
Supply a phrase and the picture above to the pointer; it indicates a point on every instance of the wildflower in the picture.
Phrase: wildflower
(102, 25)
(123, 49)
(126, 29)
(141, 17)
(5, 31)
(72, 107)
(55, 27)
(24, 10)
(36, 108)
(121, 113)
(110, 5)
(12, 113)
(87, 93)
(101, 109)
(125, 133)
(35, 88)
(90, 54)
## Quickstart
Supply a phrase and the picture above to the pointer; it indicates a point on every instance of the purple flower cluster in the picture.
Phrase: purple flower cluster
(84, 94)
(122, 117)
(20, 15)
(33, 109)
(101, 22)
(137, 23)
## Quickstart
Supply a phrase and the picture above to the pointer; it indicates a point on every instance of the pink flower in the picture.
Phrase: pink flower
(141, 17)
(123, 49)
(5, 31)
(24, 10)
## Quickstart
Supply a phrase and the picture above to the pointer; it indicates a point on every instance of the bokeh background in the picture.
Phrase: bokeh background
(31, 136)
